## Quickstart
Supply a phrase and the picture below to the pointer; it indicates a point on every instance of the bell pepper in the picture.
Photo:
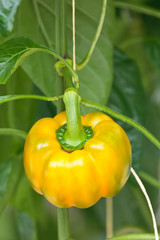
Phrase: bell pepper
(77, 177)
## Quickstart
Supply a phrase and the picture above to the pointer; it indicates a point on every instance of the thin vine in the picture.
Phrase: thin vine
(123, 118)
(40, 22)
(14, 132)
(95, 39)
(138, 8)
(43, 4)
(9, 98)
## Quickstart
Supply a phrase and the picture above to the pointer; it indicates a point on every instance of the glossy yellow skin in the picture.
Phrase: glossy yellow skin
(82, 177)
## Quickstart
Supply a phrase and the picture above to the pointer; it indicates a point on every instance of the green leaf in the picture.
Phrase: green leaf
(99, 70)
(5, 171)
(140, 236)
(7, 14)
(128, 98)
(152, 49)
(25, 226)
(10, 173)
(12, 53)
(23, 200)
(36, 210)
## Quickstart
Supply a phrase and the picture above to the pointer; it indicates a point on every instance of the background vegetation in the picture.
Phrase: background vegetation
(123, 73)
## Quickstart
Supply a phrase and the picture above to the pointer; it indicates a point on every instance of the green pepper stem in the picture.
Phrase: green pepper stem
(63, 223)
(74, 134)
(61, 47)
(67, 77)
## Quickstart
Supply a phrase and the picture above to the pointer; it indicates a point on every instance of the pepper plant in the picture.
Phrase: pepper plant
(74, 75)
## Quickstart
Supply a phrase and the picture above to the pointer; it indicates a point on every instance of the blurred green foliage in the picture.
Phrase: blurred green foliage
(123, 73)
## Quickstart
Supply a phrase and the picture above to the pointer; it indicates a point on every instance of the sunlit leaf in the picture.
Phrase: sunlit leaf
(12, 53)
(7, 14)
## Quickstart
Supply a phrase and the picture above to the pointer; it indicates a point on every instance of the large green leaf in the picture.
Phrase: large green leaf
(25, 226)
(40, 68)
(152, 49)
(5, 171)
(12, 54)
(14, 51)
(9, 175)
(7, 14)
(128, 98)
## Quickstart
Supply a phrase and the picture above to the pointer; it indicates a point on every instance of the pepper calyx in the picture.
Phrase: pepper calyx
(60, 135)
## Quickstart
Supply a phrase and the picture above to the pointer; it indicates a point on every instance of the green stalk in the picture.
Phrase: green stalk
(61, 39)
(40, 23)
(61, 48)
(95, 39)
(138, 8)
(123, 118)
(9, 98)
(46, 6)
(67, 77)
(109, 217)
(63, 224)
(14, 132)
(61, 43)
(148, 178)
(74, 134)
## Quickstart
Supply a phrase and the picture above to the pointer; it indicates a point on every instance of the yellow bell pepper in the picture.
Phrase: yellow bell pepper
(80, 177)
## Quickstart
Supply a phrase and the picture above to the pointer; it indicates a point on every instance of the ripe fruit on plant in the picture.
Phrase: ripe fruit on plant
(82, 176)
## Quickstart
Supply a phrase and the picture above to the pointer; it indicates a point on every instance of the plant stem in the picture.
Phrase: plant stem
(50, 10)
(74, 134)
(9, 98)
(123, 118)
(61, 38)
(61, 43)
(95, 39)
(151, 180)
(63, 223)
(67, 77)
(68, 66)
(61, 48)
(138, 8)
(109, 217)
(14, 132)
